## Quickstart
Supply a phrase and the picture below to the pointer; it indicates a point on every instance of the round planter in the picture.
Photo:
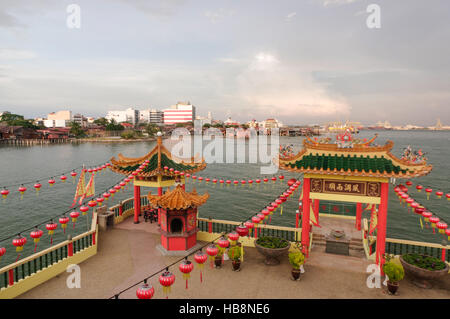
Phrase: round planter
(272, 254)
(236, 265)
(295, 274)
(421, 276)
(218, 261)
(392, 287)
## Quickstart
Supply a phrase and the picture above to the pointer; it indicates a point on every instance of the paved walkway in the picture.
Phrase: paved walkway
(127, 253)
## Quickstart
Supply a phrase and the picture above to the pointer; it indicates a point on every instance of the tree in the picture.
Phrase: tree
(17, 120)
(151, 129)
(76, 129)
(101, 121)
(113, 126)
(206, 125)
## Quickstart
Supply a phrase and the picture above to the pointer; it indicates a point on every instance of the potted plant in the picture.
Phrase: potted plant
(423, 268)
(296, 259)
(235, 255)
(271, 248)
(219, 257)
(395, 274)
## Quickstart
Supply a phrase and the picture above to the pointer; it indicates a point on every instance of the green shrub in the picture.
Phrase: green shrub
(234, 253)
(296, 259)
(394, 271)
(272, 242)
(424, 262)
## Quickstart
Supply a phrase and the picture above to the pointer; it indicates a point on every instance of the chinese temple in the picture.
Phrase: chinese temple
(156, 169)
(178, 216)
(349, 170)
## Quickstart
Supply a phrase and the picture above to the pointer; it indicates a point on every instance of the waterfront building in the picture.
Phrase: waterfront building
(129, 115)
(80, 119)
(181, 112)
(231, 122)
(58, 119)
(271, 123)
(151, 116)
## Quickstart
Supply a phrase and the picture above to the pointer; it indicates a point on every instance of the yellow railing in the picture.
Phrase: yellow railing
(33, 270)
(210, 229)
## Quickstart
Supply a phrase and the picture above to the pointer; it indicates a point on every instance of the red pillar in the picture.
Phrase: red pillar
(70, 249)
(381, 227)
(120, 209)
(358, 216)
(160, 192)
(137, 203)
(11, 276)
(306, 211)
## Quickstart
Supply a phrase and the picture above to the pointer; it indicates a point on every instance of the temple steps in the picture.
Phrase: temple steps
(355, 243)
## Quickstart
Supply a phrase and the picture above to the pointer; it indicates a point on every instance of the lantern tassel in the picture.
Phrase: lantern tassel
(201, 279)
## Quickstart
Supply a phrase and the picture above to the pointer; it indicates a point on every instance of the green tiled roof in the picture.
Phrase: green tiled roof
(165, 161)
(354, 163)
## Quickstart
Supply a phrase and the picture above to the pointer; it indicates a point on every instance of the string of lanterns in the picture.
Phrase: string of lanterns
(167, 278)
(51, 181)
(19, 241)
(430, 218)
(225, 181)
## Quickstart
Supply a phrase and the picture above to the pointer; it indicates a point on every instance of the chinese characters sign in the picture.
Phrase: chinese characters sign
(362, 188)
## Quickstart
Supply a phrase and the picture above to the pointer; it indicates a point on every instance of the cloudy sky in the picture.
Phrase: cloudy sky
(308, 61)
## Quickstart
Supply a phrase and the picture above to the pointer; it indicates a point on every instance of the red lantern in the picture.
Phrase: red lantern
(112, 191)
(74, 215)
(100, 200)
(409, 201)
(22, 189)
(19, 242)
(92, 203)
(419, 188)
(261, 216)
(51, 230)
(2, 252)
(243, 182)
(36, 235)
(439, 194)
(448, 196)
(214, 181)
(51, 182)
(258, 181)
(265, 180)
(291, 181)
(223, 242)
(281, 178)
(250, 181)
(194, 177)
(221, 182)
(145, 291)
(426, 215)
(188, 175)
(408, 183)
(84, 210)
(122, 184)
(166, 280)
(434, 220)
(235, 182)
(429, 191)
(256, 219)
(441, 227)
(186, 268)
(207, 180)
(228, 182)
(274, 179)
(242, 230)
(212, 252)
(200, 258)
(108, 164)
(63, 221)
(106, 195)
(63, 178)
(266, 213)
(447, 232)
(233, 236)
(4, 193)
(200, 178)
(37, 187)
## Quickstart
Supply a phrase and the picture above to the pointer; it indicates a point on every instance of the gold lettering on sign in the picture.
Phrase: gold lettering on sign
(361, 188)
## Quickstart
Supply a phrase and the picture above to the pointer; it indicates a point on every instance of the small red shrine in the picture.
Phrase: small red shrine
(178, 210)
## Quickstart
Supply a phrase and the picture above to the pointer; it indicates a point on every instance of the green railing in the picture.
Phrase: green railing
(400, 247)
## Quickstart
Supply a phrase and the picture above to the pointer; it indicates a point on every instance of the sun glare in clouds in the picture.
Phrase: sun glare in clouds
(276, 89)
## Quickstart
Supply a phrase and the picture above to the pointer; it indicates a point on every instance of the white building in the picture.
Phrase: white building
(181, 112)
(56, 123)
(129, 115)
(151, 116)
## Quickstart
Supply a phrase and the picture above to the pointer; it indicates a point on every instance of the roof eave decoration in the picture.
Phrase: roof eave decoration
(160, 157)
(315, 152)
(178, 199)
